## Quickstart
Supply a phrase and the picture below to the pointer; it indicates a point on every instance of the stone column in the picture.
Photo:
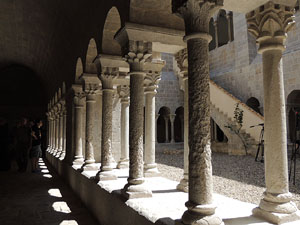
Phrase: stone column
(79, 98)
(106, 169)
(181, 58)
(63, 154)
(61, 127)
(196, 15)
(139, 53)
(151, 84)
(124, 95)
(52, 131)
(91, 88)
(229, 20)
(172, 119)
(166, 118)
(48, 130)
(56, 130)
(216, 33)
(270, 24)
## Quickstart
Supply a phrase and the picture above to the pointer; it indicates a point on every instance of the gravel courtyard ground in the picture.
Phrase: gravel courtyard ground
(238, 177)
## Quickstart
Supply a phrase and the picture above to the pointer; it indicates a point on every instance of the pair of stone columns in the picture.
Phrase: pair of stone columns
(56, 129)
(269, 24)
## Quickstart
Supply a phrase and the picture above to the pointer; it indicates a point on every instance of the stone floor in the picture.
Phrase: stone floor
(39, 199)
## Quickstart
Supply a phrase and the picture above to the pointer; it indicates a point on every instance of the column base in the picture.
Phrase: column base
(106, 175)
(78, 161)
(62, 156)
(209, 220)
(183, 185)
(123, 164)
(58, 153)
(201, 215)
(276, 218)
(90, 167)
(150, 170)
(277, 208)
(131, 191)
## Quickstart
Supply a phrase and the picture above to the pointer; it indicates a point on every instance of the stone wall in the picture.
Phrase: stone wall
(237, 67)
(168, 93)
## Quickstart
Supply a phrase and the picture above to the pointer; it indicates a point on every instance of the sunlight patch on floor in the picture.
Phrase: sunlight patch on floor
(55, 192)
(68, 222)
(61, 207)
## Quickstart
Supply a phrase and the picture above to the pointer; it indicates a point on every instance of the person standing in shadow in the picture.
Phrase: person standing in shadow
(36, 151)
(23, 144)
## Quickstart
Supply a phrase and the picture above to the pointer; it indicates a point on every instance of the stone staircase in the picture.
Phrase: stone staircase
(222, 112)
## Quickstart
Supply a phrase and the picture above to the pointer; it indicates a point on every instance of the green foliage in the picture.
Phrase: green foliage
(238, 116)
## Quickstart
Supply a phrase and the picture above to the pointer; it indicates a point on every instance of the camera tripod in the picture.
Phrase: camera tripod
(260, 146)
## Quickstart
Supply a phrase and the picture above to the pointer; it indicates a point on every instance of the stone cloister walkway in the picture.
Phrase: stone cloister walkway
(39, 199)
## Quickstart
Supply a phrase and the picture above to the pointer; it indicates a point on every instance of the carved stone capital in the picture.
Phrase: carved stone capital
(137, 54)
(151, 81)
(181, 58)
(91, 84)
(196, 15)
(269, 24)
(108, 74)
(79, 95)
(124, 91)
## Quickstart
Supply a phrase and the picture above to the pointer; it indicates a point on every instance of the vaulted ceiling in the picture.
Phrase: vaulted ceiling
(47, 36)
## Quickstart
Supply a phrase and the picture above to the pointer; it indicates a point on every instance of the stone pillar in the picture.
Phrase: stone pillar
(124, 95)
(181, 58)
(78, 105)
(172, 119)
(106, 169)
(216, 33)
(56, 130)
(151, 84)
(229, 20)
(61, 127)
(270, 24)
(166, 118)
(196, 15)
(52, 131)
(91, 88)
(139, 53)
(64, 137)
(48, 130)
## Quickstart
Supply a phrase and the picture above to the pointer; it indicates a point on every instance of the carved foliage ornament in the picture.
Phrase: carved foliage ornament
(138, 53)
(123, 91)
(108, 74)
(152, 79)
(270, 21)
(181, 58)
(196, 13)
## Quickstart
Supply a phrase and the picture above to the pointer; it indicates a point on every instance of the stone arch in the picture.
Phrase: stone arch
(254, 104)
(293, 103)
(78, 71)
(179, 124)
(163, 125)
(212, 32)
(111, 26)
(223, 37)
(91, 54)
